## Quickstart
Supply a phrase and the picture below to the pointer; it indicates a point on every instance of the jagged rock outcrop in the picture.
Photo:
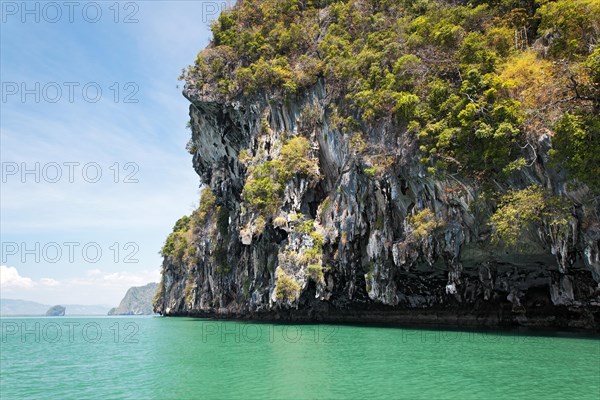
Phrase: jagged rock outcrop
(56, 311)
(371, 267)
(306, 219)
(137, 301)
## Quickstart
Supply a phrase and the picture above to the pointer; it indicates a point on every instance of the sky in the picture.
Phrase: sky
(93, 134)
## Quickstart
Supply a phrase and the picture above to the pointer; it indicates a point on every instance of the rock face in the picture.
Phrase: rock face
(137, 301)
(371, 268)
(317, 211)
(56, 311)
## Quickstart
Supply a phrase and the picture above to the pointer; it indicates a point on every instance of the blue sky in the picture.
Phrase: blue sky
(142, 59)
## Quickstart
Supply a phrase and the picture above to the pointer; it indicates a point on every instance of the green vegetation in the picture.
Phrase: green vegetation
(576, 145)
(575, 25)
(287, 287)
(311, 258)
(159, 292)
(261, 190)
(316, 272)
(176, 243)
(324, 207)
(295, 159)
(424, 223)
(521, 209)
(244, 156)
(181, 245)
(473, 81)
(206, 206)
(305, 227)
(259, 225)
(265, 184)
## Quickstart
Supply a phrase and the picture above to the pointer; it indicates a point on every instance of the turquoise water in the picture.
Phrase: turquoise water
(178, 358)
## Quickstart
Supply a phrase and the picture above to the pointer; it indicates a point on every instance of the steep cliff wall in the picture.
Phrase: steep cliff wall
(305, 220)
(137, 301)
(369, 257)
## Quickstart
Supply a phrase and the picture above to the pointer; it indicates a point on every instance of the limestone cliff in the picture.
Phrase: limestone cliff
(369, 259)
(339, 239)
(137, 301)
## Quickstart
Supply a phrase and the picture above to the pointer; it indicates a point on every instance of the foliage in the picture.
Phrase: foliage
(287, 287)
(310, 258)
(159, 292)
(520, 210)
(305, 227)
(280, 222)
(264, 187)
(176, 242)
(370, 171)
(479, 128)
(244, 156)
(259, 225)
(295, 159)
(191, 147)
(316, 272)
(261, 190)
(424, 223)
(527, 78)
(207, 204)
(181, 245)
(318, 240)
(577, 146)
(474, 81)
(574, 25)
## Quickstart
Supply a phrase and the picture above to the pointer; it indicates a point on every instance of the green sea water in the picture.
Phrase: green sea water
(180, 358)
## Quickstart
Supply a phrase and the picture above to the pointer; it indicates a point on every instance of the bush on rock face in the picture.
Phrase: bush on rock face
(265, 184)
(287, 288)
(424, 223)
(520, 210)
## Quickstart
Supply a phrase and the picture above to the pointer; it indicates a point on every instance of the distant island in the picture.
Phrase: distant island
(56, 311)
(14, 307)
(137, 301)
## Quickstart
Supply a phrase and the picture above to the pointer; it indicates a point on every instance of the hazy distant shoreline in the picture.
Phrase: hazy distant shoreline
(26, 308)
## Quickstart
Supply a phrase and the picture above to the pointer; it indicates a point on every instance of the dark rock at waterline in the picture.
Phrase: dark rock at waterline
(371, 269)
(56, 311)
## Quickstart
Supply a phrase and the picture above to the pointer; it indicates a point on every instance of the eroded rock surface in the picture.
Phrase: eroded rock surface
(371, 267)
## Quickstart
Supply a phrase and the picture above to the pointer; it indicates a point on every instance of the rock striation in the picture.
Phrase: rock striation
(341, 241)
(372, 268)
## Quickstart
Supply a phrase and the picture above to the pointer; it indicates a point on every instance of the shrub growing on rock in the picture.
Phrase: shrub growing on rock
(287, 288)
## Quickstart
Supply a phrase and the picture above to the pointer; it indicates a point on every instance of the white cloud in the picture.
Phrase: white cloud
(10, 278)
(49, 282)
(121, 279)
(95, 287)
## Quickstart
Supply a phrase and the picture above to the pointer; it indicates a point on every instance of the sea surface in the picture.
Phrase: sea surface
(181, 358)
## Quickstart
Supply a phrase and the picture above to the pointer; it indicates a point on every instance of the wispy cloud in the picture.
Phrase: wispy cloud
(11, 279)
(93, 287)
